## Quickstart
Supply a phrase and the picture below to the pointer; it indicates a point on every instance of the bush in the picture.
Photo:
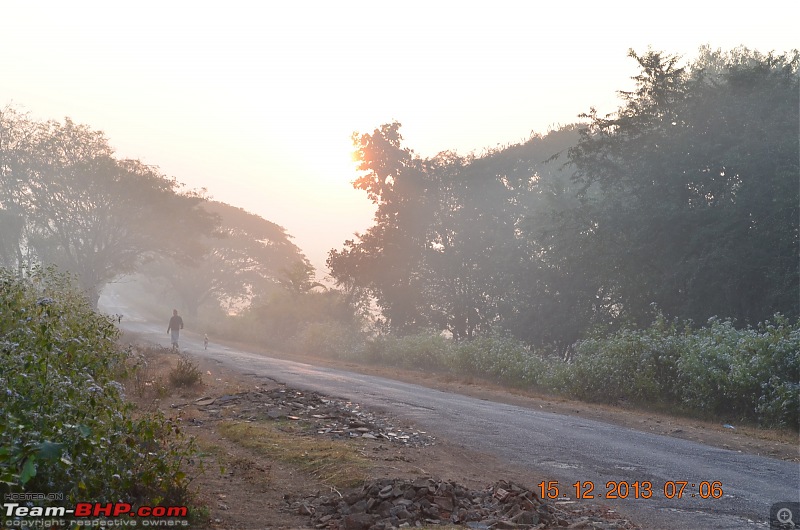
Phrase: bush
(717, 370)
(185, 374)
(423, 350)
(332, 339)
(745, 373)
(64, 425)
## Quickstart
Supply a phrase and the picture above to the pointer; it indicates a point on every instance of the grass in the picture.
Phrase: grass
(336, 463)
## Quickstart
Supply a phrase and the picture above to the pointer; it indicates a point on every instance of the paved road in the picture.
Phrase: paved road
(561, 448)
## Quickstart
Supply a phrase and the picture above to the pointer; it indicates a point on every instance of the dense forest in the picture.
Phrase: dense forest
(683, 203)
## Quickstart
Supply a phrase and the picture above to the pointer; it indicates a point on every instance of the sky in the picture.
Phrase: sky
(256, 101)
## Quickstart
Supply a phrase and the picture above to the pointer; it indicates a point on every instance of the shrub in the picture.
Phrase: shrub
(185, 374)
(714, 371)
(717, 370)
(744, 373)
(331, 339)
(422, 350)
(64, 425)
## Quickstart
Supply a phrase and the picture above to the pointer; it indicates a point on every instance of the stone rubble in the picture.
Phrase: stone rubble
(388, 503)
(326, 416)
(385, 504)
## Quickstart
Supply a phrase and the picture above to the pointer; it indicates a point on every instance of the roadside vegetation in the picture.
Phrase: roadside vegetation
(714, 372)
(65, 425)
(334, 462)
(649, 257)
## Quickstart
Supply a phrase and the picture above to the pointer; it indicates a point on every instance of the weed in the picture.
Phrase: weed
(185, 374)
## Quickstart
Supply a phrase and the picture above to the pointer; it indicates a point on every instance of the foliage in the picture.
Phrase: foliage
(300, 318)
(67, 201)
(448, 249)
(245, 260)
(691, 189)
(64, 425)
(686, 197)
(717, 371)
(422, 350)
(747, 374)
(327, 338)
(186, 373)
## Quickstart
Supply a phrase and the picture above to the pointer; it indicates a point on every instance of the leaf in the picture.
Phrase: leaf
(28, 470)
(50, 450)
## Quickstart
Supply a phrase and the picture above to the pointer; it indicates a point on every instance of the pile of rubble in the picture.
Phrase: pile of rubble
(385, 504)
(323, 415)
(393, 503)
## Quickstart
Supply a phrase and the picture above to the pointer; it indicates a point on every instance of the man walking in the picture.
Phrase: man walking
(174, 328)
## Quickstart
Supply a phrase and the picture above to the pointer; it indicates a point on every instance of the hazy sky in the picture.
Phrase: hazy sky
(256, 101)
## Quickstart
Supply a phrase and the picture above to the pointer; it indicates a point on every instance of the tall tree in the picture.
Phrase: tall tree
(385, 260)
(93, 215)
(17, 132)
(692, 187)
(244, 261)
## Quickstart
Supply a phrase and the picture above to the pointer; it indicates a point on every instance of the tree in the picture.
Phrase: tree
(448, 249)
(385, 259)
(244, 261)
(692, 187)
(91, 214)
(299, 278)
(16, 135)
(687, 197)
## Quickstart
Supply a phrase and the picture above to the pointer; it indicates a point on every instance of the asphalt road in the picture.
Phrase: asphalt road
(560, 448)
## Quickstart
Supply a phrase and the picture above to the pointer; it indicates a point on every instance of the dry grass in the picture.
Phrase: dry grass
(145, 379)
(185, 373)
(336, 463)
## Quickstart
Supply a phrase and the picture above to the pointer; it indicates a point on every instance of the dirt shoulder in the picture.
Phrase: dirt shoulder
(773, 443)
(243, 488)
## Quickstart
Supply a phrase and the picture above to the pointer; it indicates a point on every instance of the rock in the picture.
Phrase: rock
(357, 521)
(444, 503)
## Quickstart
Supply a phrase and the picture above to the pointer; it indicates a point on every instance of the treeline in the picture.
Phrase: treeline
(67, 200)
(685, 200)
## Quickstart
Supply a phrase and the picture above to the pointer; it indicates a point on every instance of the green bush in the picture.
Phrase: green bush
(332, 339)
(423, 350)
(714, 371)
(64, 425)
(744, 373)
(717, 370)
(628, 365)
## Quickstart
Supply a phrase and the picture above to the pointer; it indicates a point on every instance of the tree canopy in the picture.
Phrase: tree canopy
(245, 260)
(65, 200)
(686, 198)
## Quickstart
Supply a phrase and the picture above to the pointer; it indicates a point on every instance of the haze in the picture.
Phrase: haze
(257, 103)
